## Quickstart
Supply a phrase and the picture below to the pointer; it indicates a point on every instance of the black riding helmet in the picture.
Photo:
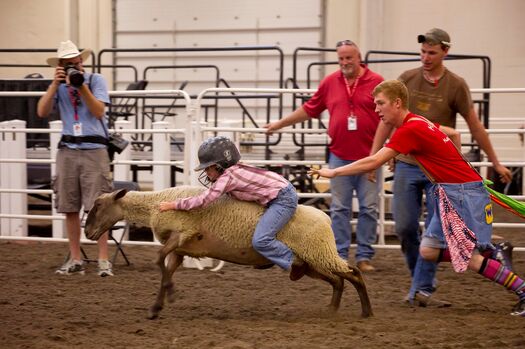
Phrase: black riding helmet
(218, 151)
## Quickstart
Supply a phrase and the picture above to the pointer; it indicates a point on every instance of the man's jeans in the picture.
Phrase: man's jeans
(342, 189)
(409, 184)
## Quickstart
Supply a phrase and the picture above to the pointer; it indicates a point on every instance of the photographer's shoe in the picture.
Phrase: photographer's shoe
(104, 268)
(71, 267)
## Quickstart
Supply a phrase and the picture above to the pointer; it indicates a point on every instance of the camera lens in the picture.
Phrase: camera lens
(76, 78)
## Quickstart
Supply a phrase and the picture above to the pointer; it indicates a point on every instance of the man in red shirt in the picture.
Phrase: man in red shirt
(346, 94)
(461, 226)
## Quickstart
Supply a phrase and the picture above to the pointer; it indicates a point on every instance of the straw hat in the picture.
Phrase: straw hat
(67, 49)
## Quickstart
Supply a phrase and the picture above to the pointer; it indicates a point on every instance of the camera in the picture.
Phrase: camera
(116, 144)
(76, 78)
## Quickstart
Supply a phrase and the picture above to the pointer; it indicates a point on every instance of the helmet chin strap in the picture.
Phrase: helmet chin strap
(205, 180)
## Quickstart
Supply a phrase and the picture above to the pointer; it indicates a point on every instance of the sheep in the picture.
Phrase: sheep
(223, 230)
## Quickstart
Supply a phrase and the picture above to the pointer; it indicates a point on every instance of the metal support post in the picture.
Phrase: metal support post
(58, 225)
(18, 178)
(122, 172)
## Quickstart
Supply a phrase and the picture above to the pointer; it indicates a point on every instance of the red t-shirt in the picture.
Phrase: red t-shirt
(433, 149)
(333, 95)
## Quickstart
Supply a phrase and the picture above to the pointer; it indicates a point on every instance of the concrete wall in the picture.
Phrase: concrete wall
(480, 27)
(483, 27)
(43, 24)
(477, 27)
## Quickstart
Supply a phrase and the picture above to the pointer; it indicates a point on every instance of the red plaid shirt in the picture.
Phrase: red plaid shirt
(242, 182)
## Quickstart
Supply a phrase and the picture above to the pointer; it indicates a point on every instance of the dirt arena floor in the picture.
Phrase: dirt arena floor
(241, 308)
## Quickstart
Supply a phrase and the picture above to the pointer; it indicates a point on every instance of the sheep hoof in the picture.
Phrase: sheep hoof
(152, 316)
(367, 314)
(331, 310)
(154, 311)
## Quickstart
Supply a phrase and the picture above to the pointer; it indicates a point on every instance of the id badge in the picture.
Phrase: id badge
(77, 129)
(352, 123)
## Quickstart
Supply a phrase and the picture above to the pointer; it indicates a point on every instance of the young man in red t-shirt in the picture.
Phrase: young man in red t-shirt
(461, 226)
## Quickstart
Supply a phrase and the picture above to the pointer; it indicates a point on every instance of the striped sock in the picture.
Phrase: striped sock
(495, 271)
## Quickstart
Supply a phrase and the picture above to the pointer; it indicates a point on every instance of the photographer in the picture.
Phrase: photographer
(82, 161)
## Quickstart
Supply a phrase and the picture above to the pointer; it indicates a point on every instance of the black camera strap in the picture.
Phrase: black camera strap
(105, 129)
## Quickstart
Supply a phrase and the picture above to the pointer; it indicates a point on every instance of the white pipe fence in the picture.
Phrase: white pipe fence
(13, 158)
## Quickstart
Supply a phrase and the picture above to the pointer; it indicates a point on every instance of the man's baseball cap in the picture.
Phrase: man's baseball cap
(435, 36)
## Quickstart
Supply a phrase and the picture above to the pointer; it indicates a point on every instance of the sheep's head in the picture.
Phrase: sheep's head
(105, 213)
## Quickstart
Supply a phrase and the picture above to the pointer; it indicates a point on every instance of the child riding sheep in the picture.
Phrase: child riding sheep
(219, 163)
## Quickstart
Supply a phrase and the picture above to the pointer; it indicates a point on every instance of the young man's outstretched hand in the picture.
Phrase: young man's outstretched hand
(321, 172)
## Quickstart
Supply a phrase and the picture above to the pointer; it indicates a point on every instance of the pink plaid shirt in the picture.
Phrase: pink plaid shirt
(242, 182)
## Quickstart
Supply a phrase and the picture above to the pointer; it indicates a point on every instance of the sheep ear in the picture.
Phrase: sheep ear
(120, 194)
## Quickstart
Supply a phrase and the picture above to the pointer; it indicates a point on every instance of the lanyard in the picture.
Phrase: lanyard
(75, 99)
(350, 90)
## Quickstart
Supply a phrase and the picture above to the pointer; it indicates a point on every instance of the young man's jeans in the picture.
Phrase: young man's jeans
(342, 189)
(409, 184)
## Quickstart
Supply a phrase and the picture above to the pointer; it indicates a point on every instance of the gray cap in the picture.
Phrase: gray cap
(435, 36)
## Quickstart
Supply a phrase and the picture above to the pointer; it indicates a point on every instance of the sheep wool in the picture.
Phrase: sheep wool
(308, 233)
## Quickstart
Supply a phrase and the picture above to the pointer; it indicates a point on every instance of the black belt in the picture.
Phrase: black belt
(84, 139)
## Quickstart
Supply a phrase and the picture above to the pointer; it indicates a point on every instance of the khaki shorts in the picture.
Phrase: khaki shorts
(82, 175)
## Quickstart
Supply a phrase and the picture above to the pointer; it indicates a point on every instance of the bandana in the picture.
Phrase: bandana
(461, 240)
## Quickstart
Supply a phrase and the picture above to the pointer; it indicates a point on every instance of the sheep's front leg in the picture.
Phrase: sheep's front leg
(166, 283)
(174, 262)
